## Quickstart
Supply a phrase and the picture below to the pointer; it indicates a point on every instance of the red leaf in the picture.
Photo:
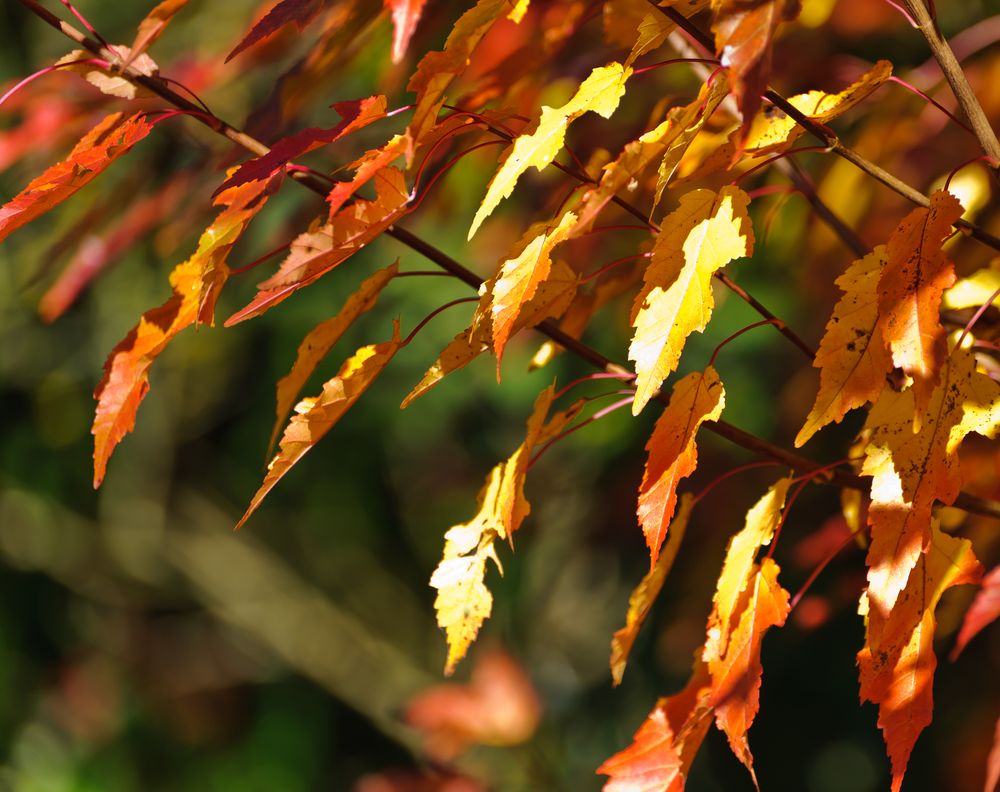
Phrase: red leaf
(298, 12)
(405, 15)
(355, 114)
(984, 610)
(96, 150)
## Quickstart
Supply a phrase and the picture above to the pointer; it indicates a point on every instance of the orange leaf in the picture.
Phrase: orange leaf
(984, 610)
(196, 284)
(673, 454)
(896, 665)
(915, 276)
(103, 144)
(405, 15)
(852, 358)
(318, 415)
(152, 27)
(320, 249)
(641, 600)
(743, 33)
(736, 677)
(320, 340)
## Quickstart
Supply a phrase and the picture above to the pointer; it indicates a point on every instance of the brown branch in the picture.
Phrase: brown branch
(955, 76)
(970, 503)
(829, 138)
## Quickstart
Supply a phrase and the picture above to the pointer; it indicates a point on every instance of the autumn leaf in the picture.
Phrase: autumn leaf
(355, 115)
(108, 80)
(915, 276)
(437, 70)
(775, 131)
(320, 341)
(297, 12)
(896, 665)
(974, 290)
(499, 707)
(983, 611)
(640, 601)
(744, 30)
(464, 602)
(152, 27)
(736, 676)
(600, 93)
(673, 454)
(552, 297)
(315, 416)
(852, 357)
(519, 278)
(101, 146)
(662, 750)
(706, 232)
(196, 284)
(365, 169)
(405, 15)
(911, 470)
(322, 248)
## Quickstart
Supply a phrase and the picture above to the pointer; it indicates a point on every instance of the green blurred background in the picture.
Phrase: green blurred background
(144, 645)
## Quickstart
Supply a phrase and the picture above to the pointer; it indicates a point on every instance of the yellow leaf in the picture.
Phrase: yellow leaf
(599, 93)
(773, 131)
(519, 278)
(975, 290)
(321, 339)
(706, 232)
(852, 357)
(317, 415)
(463, 601)
(673, 454)
(640, 601)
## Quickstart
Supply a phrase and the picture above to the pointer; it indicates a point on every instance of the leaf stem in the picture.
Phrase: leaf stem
(432, 314)
(776, 322)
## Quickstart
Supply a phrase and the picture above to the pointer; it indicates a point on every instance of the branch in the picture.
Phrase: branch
(970, 503)
(955, 76)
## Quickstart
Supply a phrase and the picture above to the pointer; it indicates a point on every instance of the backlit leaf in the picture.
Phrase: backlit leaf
(297, 12)
(405, 15)
(673, 453)
(101, 146)
(852, 357)
(600, 93)
(152, 27)
(706, 232)
(315, 416)
(983, 611)
(915, 276)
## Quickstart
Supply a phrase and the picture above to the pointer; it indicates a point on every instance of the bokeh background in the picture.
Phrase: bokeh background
(144, 645)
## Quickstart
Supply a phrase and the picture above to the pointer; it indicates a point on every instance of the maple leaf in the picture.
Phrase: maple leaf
(911, 470)
(974, 290)
(743, 35)
(775, 131)
(519, 278)
(322, 248)
(196, 284)
(852, 357)
(600, 93)
(640, 601)
(355, 114)
(552, 297)
(662, 750)
(108, 80)
(915, 276)
(101, 146)
(297, 12)
(896, 665)
(315, 416)
(673, 454)
(736, 676)
(320, 340)
(437, 70)
(706, 232)
(365, 169)
(405, 15)
(984, 610)
(463, 601)
(152, 27)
